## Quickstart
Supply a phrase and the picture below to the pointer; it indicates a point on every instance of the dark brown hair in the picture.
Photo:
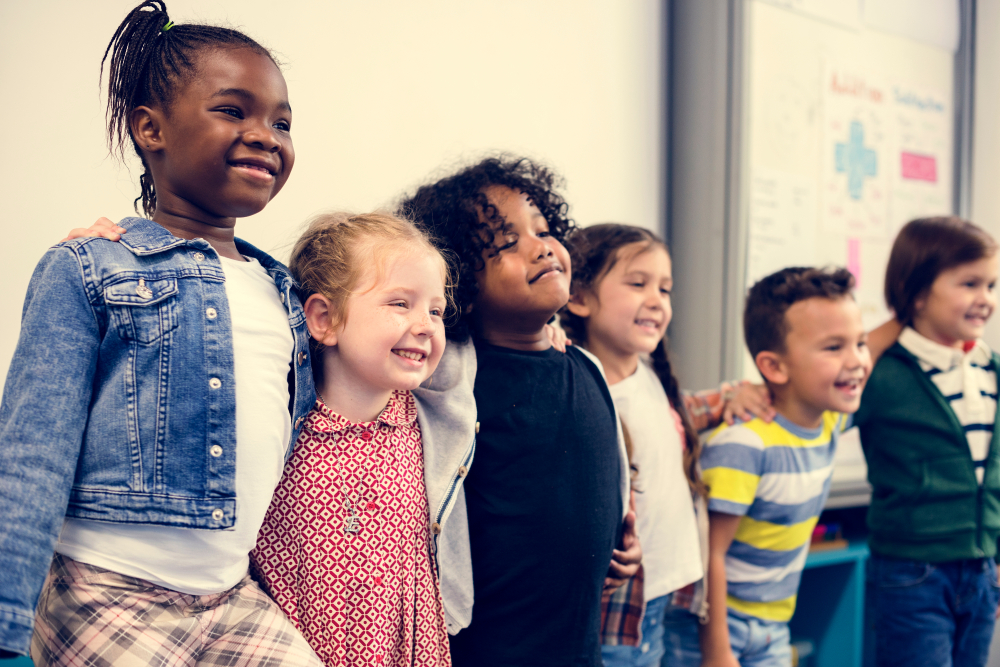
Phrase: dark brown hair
(764, 324)
(922, 250)
(594, 251)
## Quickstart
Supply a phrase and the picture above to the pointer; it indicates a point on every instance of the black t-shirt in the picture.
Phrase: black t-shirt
(545, 510)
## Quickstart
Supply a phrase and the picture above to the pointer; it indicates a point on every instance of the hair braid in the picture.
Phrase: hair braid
(145, 65)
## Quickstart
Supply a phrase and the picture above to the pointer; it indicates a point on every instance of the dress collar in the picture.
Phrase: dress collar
(940, 356)
(401, 410)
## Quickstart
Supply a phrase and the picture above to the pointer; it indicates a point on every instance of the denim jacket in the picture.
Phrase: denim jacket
(120, 401)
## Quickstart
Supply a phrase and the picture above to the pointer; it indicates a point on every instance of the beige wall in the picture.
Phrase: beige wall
(385, 93)
(986, 133)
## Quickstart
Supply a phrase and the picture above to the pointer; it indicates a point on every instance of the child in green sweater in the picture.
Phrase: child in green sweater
(928, 428)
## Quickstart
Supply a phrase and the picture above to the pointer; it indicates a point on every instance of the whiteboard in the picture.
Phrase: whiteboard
(849, 134)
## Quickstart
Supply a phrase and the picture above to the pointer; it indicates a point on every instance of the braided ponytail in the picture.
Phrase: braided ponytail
(149, 56)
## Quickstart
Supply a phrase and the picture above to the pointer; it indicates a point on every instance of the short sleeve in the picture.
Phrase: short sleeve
(732, 462)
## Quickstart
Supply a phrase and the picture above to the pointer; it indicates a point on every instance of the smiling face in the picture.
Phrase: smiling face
(630, 310)
(826, 361)
(523, 286)
(393, 334)
(223, 148)
(958, 303)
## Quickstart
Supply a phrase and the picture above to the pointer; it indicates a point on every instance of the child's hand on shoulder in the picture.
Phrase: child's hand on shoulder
(557, 337)
(748, 401)
(103, 228)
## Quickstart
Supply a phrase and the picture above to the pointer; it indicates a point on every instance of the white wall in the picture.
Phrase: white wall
(986, 134)
(386, 93)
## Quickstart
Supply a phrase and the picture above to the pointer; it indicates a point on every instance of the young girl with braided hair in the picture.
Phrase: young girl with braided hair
(159, 383)
(619, 311)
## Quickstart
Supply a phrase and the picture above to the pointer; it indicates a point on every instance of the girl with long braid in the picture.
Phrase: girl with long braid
(159, 383)
(619, 311)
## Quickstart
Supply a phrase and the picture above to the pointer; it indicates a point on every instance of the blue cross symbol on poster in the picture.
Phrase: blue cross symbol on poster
(856, 160)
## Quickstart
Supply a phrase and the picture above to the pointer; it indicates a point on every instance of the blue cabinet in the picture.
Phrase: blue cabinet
(830, 612)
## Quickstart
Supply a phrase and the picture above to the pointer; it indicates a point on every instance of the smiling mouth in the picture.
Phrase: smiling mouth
(555, 268)
(850, 386)
(651, 324)
(407, 354)
(258, 169)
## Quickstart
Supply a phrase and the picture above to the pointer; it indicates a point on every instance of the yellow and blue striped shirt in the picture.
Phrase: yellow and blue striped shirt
(776, 477)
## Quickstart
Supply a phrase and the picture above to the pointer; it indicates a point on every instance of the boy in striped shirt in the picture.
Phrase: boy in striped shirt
(768, 481)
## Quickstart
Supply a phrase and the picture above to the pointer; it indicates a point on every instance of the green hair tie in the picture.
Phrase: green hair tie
(170, 24)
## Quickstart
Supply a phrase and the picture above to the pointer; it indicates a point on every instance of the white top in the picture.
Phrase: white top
(665, 519)
(203, 562)
(967, 383)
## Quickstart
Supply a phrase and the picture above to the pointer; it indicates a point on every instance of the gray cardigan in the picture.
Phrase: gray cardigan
(446, 409)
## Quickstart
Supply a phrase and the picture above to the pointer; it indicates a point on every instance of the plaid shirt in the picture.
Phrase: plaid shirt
(623, 609)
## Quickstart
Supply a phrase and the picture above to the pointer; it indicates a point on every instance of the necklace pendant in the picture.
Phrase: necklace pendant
(352, 525)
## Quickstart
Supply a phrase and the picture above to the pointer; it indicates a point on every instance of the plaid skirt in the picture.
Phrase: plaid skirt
(91, 617)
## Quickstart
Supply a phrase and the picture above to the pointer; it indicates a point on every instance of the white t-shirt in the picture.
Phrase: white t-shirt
(665, 520)
(203, 562)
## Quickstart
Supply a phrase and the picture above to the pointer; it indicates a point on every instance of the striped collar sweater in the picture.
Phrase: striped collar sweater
(967, 382)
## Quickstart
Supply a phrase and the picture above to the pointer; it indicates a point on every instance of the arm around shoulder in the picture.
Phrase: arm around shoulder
(42, 418)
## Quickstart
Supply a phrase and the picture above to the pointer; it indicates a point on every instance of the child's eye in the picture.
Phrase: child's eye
(232, 111)
(401, 304)
(638, 284)
(664, 290)
(283, 126)
(437, 312)
(833, 348)
(543, 234)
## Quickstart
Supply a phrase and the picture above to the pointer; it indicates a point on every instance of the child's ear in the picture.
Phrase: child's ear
(320, 316)
(578, 305)
(772, 367)
(144, 123)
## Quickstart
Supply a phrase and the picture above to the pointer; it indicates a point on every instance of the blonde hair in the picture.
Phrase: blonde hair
(338, 249)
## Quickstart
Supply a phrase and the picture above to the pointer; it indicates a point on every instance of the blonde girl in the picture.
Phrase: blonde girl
(345, 549)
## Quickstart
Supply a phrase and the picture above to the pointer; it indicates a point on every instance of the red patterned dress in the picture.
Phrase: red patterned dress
(368, 598)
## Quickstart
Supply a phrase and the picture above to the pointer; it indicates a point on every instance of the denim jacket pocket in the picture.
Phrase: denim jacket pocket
(142, 309)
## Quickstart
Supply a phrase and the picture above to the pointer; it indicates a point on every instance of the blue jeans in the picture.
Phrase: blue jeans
(758, 643)
(933, 614)
(649, 652)
(681, 645)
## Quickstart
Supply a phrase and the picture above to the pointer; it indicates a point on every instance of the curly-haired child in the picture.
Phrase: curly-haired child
(550, 460)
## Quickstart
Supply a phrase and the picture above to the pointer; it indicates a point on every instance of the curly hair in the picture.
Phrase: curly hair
(593, 252)
(456, 211)
(764, 324)
(150, 57)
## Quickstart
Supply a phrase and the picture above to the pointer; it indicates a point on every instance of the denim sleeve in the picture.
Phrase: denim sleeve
(42, 419)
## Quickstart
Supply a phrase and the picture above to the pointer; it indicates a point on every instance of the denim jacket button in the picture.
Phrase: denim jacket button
(302, 358)
(215, 383)
(215, 451)
(211, 313)
(436, 528)
(298, 422)
(462, 471)
(199, 257)
(217, 514)
(282, 297)
(477, 428)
